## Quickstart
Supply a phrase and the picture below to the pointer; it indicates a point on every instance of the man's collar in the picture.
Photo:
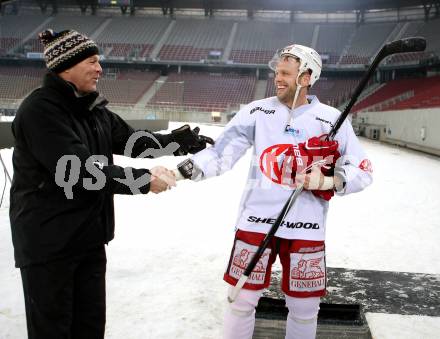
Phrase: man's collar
(89, 100)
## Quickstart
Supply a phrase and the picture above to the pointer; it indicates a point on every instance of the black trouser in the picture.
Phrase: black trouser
(65, 299)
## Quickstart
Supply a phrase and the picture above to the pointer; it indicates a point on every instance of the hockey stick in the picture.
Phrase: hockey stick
(415, 44)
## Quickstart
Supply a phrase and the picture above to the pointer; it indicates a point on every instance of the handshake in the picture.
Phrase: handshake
(162, 179)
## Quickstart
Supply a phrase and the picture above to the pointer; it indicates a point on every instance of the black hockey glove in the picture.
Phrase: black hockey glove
(189, 170)
(189, 140)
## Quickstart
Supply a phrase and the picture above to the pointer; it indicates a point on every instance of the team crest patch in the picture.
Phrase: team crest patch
(243, 254)
(307, 272)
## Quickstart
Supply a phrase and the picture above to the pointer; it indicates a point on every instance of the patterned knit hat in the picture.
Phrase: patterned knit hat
(65, 49)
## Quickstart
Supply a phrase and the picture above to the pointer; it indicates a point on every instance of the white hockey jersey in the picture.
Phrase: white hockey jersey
(267, 125)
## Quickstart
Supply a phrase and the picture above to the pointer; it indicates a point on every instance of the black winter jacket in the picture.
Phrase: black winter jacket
(51, 122)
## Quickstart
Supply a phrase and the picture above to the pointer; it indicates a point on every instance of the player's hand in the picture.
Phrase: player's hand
(162, 179)
(315, 180)
(315, 149)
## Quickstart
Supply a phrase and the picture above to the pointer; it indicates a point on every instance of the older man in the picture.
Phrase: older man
(64, 180)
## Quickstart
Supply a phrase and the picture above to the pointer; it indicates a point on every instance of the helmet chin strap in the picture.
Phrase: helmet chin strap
(298, 89)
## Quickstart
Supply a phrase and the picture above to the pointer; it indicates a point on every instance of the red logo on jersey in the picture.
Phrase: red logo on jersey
(276, 160)
(366, 166)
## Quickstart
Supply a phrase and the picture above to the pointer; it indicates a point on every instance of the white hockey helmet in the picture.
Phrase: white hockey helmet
(309, 60)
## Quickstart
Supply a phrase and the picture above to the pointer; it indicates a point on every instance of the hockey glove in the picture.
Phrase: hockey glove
(313, 150)
(189, 140)
(188, 170)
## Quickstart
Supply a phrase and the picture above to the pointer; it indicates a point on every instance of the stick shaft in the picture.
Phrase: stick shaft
(355, 96)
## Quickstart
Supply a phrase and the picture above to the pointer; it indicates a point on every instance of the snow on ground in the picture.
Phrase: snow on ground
(403, 326)
(166, 263)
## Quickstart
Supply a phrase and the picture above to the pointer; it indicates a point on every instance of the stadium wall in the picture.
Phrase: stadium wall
(172, 113)
(7, 138)
(414, 128)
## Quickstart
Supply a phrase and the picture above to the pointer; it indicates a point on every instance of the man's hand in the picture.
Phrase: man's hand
(162, 179)
(189, 140)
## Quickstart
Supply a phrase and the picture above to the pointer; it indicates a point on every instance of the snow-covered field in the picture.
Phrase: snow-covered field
(166, 263)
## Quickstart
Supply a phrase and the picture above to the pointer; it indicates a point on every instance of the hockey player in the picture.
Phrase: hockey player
(284, 133)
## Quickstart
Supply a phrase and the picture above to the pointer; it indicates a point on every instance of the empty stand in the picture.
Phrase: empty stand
(333, 92)
(122, 87)
(192, 40)
(332, 39)
(81, 23)
(206, 91)
(366, 42)
(127, 87)
(426, 94)
(84, 24)
(270, 88)
(402, 94)
(428, 30)
(253, 42)
(14, 28)
(131, 37)
(257, 41)
(23, 71)
(17, 82)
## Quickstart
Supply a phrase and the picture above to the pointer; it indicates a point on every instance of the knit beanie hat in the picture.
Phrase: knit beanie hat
(65, 49)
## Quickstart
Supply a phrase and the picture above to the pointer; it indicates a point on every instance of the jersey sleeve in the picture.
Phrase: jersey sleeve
(353, 166)
(237, 137)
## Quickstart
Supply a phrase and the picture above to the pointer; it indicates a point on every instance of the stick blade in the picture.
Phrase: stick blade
(233, 292)
(412, 44)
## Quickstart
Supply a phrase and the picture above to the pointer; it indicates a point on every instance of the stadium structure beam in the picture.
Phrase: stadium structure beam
(43, 4)
(207, 5)
(360, 16)
(167, 7)
(286, 5)
(427, 8)
(12, 4)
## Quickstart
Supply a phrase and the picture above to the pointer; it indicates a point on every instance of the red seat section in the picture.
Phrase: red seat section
(17, 82)
(126, 87)
(403, 94)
